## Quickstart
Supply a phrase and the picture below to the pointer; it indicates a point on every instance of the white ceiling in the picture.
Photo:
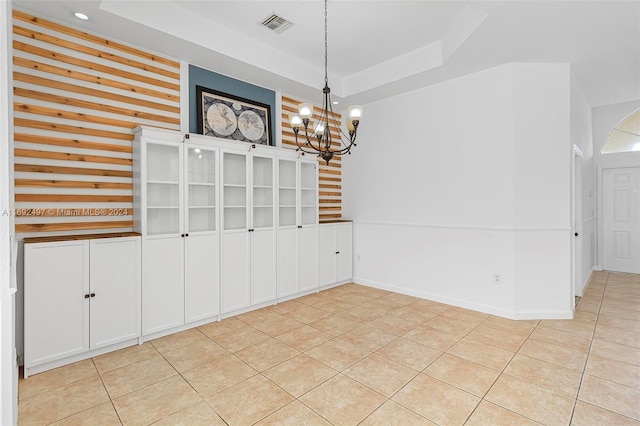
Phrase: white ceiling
(376, 48)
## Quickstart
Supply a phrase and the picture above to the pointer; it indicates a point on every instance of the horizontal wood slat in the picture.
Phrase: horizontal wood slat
(35, 35)
(73, 226)
(63, 100)
(94, 39)
(335, 116)
(50, 155)
(78, 116)
(66, 198)
(75, 143)
(92, 66)
(105, 82)
(36, 124)
(35, 168)
(54, 183)
(329, 216)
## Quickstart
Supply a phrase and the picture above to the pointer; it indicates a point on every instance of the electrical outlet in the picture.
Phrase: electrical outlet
(497, 278)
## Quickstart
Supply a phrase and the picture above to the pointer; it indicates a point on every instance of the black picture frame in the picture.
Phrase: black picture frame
(231, 117)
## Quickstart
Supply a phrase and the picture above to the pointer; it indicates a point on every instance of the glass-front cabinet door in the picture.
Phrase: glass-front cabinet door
(235, 191)
(163, 169)
(263, 194)
(201, 167)
(287, 195)
(308, 193)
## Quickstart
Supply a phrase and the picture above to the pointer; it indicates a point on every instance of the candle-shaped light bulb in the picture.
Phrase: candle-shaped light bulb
(355, 112)
(305, 110)
(295, 121)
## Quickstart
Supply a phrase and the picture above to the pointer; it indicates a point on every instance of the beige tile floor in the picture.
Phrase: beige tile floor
(356, 355)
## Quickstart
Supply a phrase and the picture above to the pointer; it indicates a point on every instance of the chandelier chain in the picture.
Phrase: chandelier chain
(326, 45)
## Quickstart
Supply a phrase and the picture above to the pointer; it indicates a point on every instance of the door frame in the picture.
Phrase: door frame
(600, 202)
(576, 219)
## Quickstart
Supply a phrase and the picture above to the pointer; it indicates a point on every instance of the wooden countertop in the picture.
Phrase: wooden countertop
(58, 238)
(335, 221)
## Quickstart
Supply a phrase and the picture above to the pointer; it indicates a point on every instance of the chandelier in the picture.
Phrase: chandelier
(317, 137)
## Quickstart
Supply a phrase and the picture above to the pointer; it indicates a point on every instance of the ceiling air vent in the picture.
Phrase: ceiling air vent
(276, 23)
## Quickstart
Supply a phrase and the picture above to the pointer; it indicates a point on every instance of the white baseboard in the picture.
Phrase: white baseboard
(492, 310)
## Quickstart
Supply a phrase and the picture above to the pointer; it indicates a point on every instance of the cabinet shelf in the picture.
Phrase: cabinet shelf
(235, 207)
(163, 182)
(287, 187)
(235, 185)
(201, 184)
(202, 207)
(263, 206)
(287, 205)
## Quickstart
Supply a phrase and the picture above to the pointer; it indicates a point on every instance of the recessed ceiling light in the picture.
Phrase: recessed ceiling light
(82, 16)
(335, 102)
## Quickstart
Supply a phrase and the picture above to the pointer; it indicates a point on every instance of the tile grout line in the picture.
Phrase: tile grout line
(586, 363)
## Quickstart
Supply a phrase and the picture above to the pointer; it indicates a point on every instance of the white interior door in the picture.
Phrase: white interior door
(621, 219)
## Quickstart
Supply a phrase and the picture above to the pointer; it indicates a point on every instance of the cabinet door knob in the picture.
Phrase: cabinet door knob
(86, 296)
(93, 295)
(186, 235)
(299, 226)
(337, 252)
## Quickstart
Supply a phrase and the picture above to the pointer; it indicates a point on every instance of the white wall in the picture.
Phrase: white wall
(582, 137)
(542, 185)
(455, 182)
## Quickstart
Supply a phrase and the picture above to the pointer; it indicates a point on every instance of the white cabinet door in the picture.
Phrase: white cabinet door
(327, 254)
(308, 257)
(56, 277)
(163, 287)
(236, 270)
(287, 262)
(263, 271)
(202, 276)
(344, 258)
(115, 289)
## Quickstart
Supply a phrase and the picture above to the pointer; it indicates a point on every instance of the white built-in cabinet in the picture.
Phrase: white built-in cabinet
(82, 297)
(176, 197)
(335, 253)
(297, 201)
(248, 234)
(226, 227)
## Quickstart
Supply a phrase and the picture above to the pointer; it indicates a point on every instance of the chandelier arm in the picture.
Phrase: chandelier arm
(306, 135)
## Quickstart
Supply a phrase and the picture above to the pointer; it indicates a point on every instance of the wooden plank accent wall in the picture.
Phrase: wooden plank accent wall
(77, 98)
(330, 175)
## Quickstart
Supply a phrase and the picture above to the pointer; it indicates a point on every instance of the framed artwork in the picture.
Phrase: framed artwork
(231, 117)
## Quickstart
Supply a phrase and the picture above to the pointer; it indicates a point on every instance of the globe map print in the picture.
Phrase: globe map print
(225, 116)
(250, 125)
